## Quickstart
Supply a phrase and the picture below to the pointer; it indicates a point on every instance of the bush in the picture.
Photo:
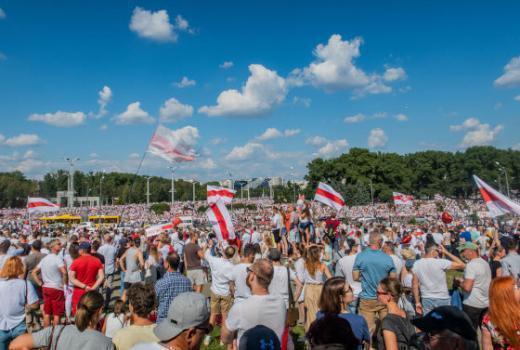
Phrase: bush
(159, 208)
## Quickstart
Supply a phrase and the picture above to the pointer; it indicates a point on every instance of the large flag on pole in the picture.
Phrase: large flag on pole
(497, 203)
(223, 193)
(328, 196)
(155, 230)
(402, 199)
(174, 145)
(220, 220)
(40, 205)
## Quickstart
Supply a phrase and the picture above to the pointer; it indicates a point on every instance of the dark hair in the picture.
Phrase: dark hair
(249, 249)
(4, 246)
(88, 305)
(37, 245)
(430, 246)
(119, 307)
(332, 295)
(142, 298)
(229, 252)
(95, 245)
(332, 330)
(173, 261)
(392, 286)
(74, 250)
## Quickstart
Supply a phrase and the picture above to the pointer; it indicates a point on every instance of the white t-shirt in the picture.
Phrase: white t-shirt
(267, 310)
(256, 237)
(344, 268)
(51, 275)
(438, 237)
(148, 346)
(15, 294)
(239, 275)
(279, 283)
(220, 274)
(431, 274)
(398, 263)
(479, 271)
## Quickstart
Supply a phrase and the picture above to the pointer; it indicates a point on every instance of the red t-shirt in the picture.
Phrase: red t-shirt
(86, 268)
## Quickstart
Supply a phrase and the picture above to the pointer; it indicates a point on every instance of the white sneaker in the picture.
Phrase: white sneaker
(207, 340)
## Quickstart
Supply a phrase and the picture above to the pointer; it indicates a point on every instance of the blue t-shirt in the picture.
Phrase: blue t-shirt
(357, 323)
(374, 265)
(466, 235)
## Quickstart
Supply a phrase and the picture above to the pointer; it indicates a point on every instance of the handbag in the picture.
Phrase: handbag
(292, 313)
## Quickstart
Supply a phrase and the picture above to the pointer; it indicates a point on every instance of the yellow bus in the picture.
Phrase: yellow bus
(104, 220)
(66, 220)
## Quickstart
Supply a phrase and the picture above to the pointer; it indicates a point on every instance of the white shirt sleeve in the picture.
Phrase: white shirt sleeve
(233, 318)
(32, 297)
(470, 272)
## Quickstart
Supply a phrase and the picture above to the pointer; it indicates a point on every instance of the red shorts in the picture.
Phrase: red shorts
(76, 295)
(53, 302)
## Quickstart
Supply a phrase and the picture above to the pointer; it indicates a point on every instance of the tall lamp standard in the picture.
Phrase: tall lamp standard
(172, 169)
(101, 178)
(501, 168)
(70, 184)
(148, 190)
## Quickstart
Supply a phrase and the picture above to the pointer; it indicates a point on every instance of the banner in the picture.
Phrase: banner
(402, 199)
(41, 205)
(328, 196)
(220, 220)
(216, 192)
(497, 203)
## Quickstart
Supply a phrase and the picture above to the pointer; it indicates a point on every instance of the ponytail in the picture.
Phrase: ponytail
(87, 309)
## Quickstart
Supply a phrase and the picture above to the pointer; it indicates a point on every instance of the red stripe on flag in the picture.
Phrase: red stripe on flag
(41, 204)
(222, 193)
(330, 196)
(221, 222)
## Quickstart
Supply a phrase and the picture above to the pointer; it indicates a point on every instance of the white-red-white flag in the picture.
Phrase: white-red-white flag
(40, 205)
(496, 202)
(402, 199)
(174, 145)
(328, 196)
(220, 220)
(155, 230)
(223, 193)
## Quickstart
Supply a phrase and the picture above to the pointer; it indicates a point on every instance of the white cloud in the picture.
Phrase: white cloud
(2, 14)
(28, 165)
(187, 135)
(172, 110)
(60, 119)
(133, 115)
(516, 147)
(316, 140)
(23, 140)
(185, 82)
(477, 134)
(331, 148)
(517, 98)
(182, 24)
(218, 140)
(3, 57)
(226, 65)
(153, 25)
(401, 117)
(244, 152)
(511, 74)
(270, 133)
(134, 156)
(103, 127)
(93, 155)
(105, 96)
(291, 132)
(207, 163)
(29, 154)
(377, 138)
(263, 91)
(304, 101)
(394, 74)
(357, 118)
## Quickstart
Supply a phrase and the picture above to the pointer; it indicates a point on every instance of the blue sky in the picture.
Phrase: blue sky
(266, 86)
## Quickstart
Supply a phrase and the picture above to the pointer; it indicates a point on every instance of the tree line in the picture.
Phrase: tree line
(360, 175)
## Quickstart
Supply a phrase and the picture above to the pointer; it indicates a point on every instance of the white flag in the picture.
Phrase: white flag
(328, 196)
(220, 220)
(174, 145)
(497, 203)
(223, 193)
(41, 205)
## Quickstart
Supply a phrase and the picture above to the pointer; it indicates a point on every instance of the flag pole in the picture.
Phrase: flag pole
(29, 214)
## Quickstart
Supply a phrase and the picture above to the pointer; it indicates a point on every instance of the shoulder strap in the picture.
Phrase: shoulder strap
(291, 298)
(57, 338)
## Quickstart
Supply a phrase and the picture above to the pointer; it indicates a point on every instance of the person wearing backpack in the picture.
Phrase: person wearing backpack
(395, 330)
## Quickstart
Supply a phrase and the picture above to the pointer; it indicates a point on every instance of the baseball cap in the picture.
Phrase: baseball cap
(467, 245)
(446, 317)
(274, 254)
(84, 246)
(187, 310)
(259, 338)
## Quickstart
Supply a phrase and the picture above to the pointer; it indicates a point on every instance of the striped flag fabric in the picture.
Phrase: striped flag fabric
(220, 220)
(328, 196)
(41, 205)
(155, 230)
(402, 199)
(497, 203)
(171, 146)
(223, 193)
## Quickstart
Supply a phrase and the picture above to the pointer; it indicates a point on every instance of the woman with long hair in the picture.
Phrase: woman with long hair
(501, 324)
(81, 335)
(15, 293)
(314, 276)
(395, 331)
(305, 225)
(335, 298)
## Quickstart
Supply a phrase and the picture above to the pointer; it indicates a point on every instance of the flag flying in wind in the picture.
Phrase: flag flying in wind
(223, 193)
(328, 196)
(497, 203)
(41, 205)
(220, 220)
(155, 230)
(402, 199)
(172, 145)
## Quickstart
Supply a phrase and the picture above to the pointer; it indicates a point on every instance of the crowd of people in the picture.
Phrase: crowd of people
(295, 275)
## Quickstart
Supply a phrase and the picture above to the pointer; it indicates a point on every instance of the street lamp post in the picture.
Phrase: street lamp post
(500, 167)
(70, 184)
(100, 193)
(147, 191)
(193, 183)
(172, 169)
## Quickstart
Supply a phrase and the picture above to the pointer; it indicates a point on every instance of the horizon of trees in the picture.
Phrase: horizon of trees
(359, 175)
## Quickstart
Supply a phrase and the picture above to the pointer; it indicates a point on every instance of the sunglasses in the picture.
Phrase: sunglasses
(381, 293)
(205, 328)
